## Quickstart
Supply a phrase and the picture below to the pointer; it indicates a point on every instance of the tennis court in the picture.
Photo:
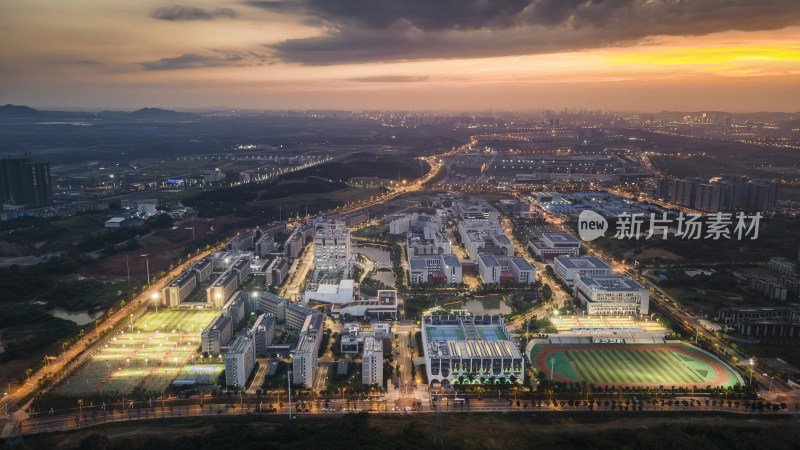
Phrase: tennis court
(444, 334)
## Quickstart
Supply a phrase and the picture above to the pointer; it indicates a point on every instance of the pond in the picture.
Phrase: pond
(380, 255)
(79, 317)
(487, 306)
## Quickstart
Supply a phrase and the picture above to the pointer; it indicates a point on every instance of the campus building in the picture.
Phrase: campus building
(469, 347)
(235, 308)
(264, 245)
(242, 242)
(179, 288)
(240, 361)
(372, 363)
(354, 334)
(332, 249)
(566, 267)
(296, 315)
(344, 292)
(552, 245)
(216, 335)
(268, 303)
(304, 363)
(228, 282)
(439, 269)
(277, 271)
(505, 269)
(263, 332)
(612, 295)
(382, 306)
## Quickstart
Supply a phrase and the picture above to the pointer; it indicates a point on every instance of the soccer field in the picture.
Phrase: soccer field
(148, 354)
(635, 365)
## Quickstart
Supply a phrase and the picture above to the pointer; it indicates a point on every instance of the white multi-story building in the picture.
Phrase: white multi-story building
(428, 224)
(383, 306)
(228, 282)
(444, 268)
(242, 242)
(612, 295)
(304, 364)
(216, 335)
(277, 271)
(235, 308)
(503, 269)
(372, 363)
(240, 361)
(489, 269)
(269, 303)
(332, 249)
(179, 289)
(555, 244)
(344, 292)
(202, 269)
(263, 331)
(522, 270)
(566, 267)
(296, 315)
(264, 245)
(476, 209)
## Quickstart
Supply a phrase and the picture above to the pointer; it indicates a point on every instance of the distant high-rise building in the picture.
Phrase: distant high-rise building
(23, 182)
(728, 193)
(760, 195)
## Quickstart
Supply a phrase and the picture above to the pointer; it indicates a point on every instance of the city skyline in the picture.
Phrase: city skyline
(632, 55)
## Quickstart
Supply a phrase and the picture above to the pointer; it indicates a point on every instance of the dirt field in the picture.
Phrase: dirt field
(161, 253)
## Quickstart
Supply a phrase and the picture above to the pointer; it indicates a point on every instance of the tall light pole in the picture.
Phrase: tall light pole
(147, 264)
(751, 371)
(289, 381)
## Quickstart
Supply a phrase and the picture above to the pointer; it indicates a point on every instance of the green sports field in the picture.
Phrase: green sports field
(625, 364)
(148, 355)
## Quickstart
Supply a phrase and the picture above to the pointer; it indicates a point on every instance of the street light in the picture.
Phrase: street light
(751, 371)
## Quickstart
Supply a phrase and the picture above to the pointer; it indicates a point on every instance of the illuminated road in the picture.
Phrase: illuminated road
(80, 351)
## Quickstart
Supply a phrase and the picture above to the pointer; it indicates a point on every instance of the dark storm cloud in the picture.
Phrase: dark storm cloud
(427, 15)
(181, 12)
(219, 59)
(385, 30)
(391, 79)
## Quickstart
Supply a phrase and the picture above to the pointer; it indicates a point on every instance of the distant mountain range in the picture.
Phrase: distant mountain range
(14, 112)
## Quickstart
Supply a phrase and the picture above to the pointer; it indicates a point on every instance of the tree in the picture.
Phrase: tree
(547, 292)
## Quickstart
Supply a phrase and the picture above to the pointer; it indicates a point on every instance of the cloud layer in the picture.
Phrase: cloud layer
(194, 60)
(181, 12)
(356, 31)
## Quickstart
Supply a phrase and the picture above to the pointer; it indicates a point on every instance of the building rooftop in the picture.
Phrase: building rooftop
(271, 298)
(488, 260)
(219, 321)
(612, 282)
(182, 279)
(239, 345)
(451, 260)
(521, 263)
(586, 262)
(560, 238)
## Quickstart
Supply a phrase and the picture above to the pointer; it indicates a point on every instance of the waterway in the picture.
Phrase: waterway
(79, 317)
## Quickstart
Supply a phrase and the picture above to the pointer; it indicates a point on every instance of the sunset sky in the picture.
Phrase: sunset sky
(644, 55)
